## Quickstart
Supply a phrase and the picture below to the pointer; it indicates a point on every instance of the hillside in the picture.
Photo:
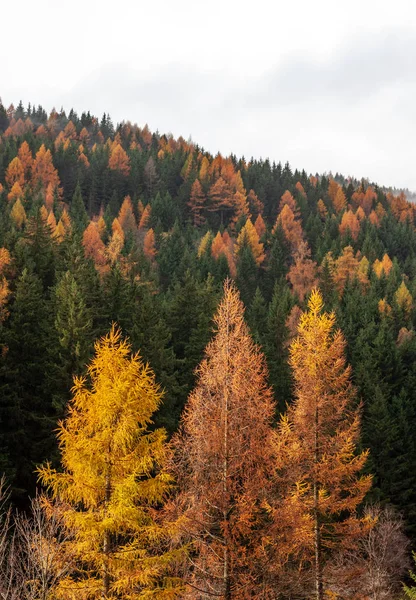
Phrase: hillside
(102, 224)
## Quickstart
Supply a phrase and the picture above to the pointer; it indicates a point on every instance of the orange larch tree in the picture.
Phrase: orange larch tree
(224, 459)
(302, 274)
(318, 438)
(15, 173)
(43, 171)
(149, 248)
(350, 222)
(94, 246)
(126, 216)
(196, 203)
(291, 227)
(119, 161)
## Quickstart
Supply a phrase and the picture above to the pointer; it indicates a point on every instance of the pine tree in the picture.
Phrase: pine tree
(112, 476)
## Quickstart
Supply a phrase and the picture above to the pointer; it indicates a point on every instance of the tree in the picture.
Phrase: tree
(77, 212)
(223, 458)
(149, 248)
(15, 173)
(119, 161)
(319, 435)
(248, 236)
(196, 203)
(126, 216)
(43, 171)
(18, 214)
(112, 477)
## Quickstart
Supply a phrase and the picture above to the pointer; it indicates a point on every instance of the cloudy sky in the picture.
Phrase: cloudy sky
(328, 86)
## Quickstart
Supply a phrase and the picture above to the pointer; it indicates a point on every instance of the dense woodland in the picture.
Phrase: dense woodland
(103, 225)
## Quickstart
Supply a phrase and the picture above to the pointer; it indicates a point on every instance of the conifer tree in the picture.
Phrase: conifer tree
(112, 476)
(224, 458)
(319, 435)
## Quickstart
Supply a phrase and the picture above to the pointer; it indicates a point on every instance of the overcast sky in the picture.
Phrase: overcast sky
(326, 85)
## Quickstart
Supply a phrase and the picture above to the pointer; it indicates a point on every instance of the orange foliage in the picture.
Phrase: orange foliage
(373, 218)
(15, 173)
(302, 274)
(384, 308)
(49, 196)
(292, 229)
(288, 200)
(196, 203)
(116, 244)
(260, 226)
(126, 216)
(93, 246)
(300, 189)
(346, 268)
(318, 437)
(223, 463)
(149, 248)
(119, 161)
(255, 205)
(350, 222)
(43, 171)
(322, 208)
(15, 193)
(145, 218)
(340, 201)
(26, 158)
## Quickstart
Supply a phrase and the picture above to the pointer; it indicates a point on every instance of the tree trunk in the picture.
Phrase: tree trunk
(226, 575)
(106, 542)
(319, 588)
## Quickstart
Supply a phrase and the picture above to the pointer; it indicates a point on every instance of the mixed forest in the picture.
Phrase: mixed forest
(207, 371)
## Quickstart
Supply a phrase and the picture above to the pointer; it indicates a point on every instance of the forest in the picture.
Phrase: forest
(207, 371)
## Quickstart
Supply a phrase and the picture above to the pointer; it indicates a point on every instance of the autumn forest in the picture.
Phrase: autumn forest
(207, 371)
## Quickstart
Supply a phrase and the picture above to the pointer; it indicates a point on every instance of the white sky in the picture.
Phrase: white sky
(326, 85)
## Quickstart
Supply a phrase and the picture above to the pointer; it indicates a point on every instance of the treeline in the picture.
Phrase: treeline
(233, 506)
(102, 224)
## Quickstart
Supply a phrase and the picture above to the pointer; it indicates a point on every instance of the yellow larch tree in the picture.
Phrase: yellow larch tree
(318, 438)
(248, 236)
(404, 300)
(204, 244)
(112, 476)
(15, 193)
(18, 214)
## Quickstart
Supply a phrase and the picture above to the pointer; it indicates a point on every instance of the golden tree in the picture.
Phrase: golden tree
(43, 171)
(224, 459)
(126, 216)
(318, 437)
(112, 477)
(119, 161)
(248, 236)
(18, 214)
(196, 203)
(15, 173)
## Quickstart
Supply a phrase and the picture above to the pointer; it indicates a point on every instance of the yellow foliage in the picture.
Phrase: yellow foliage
(248, 236)
(204, 244)
(18, 214)
(404, 299)
(112, 476)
